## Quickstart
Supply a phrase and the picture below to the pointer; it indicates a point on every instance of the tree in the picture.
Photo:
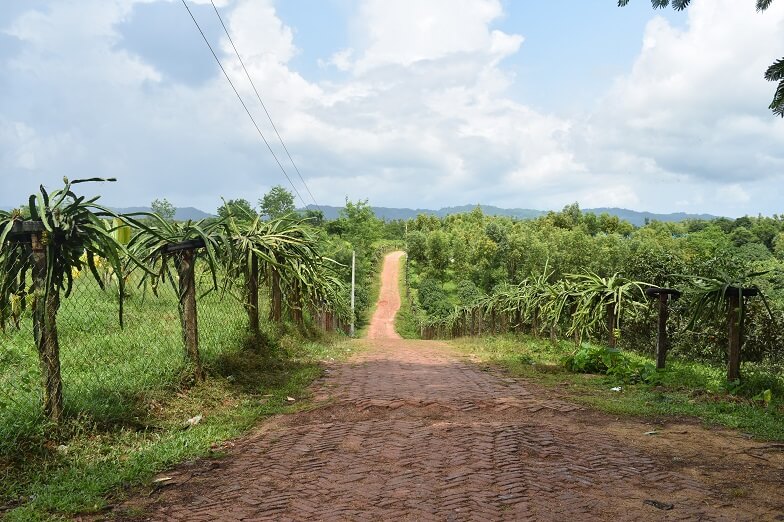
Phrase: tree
(775, 72)
(743, 221)
(433, 299)
(238, 207)
(426, 223)
(591, 223)
(765, 229)
(361, 227)
(163, 208)
(149, 244)
(604, 298)
(277, 202)
(416, 245)
(314, 217)
(726, 296)
(358, 226)
(438, 250)
(742, 236)
(395, 229)
(569, 217)
(286, 251)
(73, 236)
(614, 225)
(778, 246)
(467, 292)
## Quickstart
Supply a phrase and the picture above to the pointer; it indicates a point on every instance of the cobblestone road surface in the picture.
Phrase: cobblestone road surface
(411, 430)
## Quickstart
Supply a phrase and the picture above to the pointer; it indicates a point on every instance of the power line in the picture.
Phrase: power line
(243, 103)
(262, 103)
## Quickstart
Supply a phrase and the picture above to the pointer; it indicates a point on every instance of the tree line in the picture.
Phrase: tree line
(583, 276)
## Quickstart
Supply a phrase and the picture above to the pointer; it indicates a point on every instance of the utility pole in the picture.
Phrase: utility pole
(405, 246)
(353, 277)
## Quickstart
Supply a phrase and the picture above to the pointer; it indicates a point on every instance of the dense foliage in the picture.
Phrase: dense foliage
(60, 235)
(74, 236)
(358, 230)
(277, 202)
(577, 274)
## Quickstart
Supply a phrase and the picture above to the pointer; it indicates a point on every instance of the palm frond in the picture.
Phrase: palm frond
(762, 5)
(776, 73)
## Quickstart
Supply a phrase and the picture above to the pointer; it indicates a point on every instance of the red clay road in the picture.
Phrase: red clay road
(412, 430)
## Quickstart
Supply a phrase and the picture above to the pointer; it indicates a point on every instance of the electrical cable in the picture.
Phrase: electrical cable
(231, 41)
(243, 103)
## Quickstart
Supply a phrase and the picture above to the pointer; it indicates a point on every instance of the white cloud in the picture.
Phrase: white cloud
(618, 195)
(408, 31)
(341, 60)
(734, 194)
(423, 112)
(693, 106)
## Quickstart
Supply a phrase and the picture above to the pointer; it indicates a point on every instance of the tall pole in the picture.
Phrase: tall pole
(662, 341)
(406, 248)
(664, 295)
(735, 335)
(353, 277)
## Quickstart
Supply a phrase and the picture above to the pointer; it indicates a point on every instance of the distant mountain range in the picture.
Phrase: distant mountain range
(182, 214)
(632, 216)
(387, 213)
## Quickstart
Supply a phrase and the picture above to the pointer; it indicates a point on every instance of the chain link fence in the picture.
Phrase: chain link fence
(109, 372)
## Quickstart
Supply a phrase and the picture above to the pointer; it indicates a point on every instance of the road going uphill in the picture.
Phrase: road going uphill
(413, 430)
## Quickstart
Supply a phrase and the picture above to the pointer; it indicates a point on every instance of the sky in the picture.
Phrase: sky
(405, 103)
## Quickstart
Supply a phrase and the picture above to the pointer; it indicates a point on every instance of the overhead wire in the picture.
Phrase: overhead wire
(252, 119)
(258, 96)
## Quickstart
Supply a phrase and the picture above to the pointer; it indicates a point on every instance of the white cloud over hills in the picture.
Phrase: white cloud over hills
(421, 110)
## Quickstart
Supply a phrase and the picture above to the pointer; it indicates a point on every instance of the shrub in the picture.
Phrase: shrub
(599, 359)
(433, 299)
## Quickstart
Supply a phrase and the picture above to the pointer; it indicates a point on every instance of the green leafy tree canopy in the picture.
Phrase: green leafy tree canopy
(237, 207)
(277, 202)
(163, 208)
(360, 225)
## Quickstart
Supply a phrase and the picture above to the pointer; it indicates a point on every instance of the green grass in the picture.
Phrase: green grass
(108, 371)
(686, 389)
(384, 247)
(241, 389)
(367, 314)
(450, 287)
(406, 323)
(128, 391)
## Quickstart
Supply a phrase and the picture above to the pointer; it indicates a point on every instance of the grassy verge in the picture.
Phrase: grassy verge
(374, 289)
(405, 320)
(243, 387)
(686, 388)
(383, 248)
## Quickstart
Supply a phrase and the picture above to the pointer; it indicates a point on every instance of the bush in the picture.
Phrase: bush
(433, 299)
(598, 359)
(416, 246)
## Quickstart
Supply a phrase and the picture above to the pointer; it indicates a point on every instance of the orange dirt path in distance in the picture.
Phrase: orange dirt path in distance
(414, 430)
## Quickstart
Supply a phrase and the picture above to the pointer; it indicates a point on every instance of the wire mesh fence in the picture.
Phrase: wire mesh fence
(100, 312)
(21, 390)
(108, 368)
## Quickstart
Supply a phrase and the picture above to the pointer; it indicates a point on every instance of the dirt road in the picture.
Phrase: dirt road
(382, 325)
(411, 430)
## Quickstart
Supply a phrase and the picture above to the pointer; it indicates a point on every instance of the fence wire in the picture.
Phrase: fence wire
(21, 391)
(109, 373)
